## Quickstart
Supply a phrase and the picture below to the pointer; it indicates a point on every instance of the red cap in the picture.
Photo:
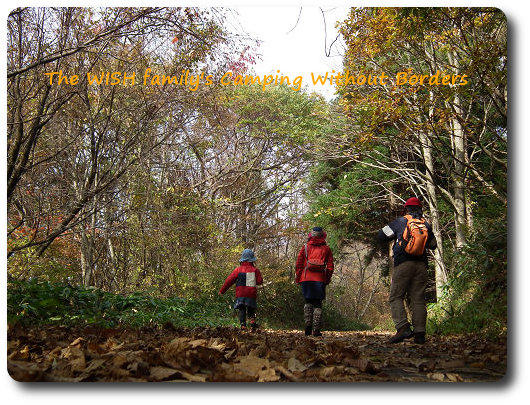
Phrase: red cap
(413, 201)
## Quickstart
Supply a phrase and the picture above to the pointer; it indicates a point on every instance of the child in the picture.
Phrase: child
(314, 268)
(246, 277)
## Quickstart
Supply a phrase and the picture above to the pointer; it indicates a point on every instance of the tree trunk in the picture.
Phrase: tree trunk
(113, 265)
(393, 203)
(459, 158)
(440, 272)
(87, 259)
(88, 248)
(439, 266)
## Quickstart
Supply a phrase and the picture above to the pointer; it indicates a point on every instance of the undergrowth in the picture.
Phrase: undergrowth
(37, 302)
(475, 298)
(44, 302)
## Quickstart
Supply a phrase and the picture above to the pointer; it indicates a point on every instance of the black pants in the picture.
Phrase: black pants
(314, 302)
(245, 310)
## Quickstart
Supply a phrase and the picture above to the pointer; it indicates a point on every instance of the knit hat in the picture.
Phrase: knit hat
(413, 201)
(247, 256)
(317, 232)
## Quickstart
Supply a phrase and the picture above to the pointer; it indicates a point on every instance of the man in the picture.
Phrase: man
(409, 277)
(314, 268)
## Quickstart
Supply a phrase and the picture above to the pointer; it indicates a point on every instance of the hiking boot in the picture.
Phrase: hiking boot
(308, 319)
(419, 338)
(317, 318)
(403, 333)
(253, 325)
(243, 327)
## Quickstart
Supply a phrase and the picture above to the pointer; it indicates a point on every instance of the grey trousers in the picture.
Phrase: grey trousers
(409, 278)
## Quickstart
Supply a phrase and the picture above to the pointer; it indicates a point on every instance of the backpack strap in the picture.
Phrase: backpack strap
(401, 238)
(306, 261)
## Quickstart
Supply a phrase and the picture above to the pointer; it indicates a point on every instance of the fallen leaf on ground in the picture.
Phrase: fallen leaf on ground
(436, 376)
(51, 353)
(454, 377)
(295, 365)
(160, 373)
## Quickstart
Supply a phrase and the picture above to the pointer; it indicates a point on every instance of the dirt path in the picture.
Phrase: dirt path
(227, 354)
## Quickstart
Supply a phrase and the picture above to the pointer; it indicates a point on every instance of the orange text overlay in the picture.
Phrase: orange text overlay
(401, 78)
(193, 81)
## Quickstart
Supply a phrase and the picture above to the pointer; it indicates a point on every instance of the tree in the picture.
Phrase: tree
(76, 141)
(433, 135)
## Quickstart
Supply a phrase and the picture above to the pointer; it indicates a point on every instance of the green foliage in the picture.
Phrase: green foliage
(42, 302)
(289, 117)
(36, 302)
(475, 298)
(344, 200)
(333, 320)
(281, 305)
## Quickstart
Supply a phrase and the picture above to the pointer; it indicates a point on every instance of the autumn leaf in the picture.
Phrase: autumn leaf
(193, 377)
(75, 357)
(436, 376)
(160, 373)
(268, 375)
(295, 365)
(119, 360)
(93, 365)
(454, 377)
(227, 355)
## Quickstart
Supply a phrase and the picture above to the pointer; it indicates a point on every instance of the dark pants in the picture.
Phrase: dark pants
(245, 310)
(314, 290)
(316, 303)
(409, 278)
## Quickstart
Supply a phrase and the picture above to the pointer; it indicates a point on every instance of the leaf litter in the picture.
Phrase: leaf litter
(150, 354)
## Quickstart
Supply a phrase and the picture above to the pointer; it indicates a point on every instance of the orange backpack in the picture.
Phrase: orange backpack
(415, 236)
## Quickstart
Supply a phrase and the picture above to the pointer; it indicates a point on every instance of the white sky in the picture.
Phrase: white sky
(295, 49)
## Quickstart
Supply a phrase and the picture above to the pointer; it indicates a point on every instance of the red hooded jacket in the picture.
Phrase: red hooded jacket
(246, 277)
(324, 276)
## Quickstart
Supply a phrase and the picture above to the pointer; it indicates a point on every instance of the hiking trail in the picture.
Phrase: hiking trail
(58, 353)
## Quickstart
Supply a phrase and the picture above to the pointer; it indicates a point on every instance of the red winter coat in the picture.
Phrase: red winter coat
(324, 276)
(246, 277)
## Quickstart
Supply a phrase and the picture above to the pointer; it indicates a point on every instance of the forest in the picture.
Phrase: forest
(130, 201)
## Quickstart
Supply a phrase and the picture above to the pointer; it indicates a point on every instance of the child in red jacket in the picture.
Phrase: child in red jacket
(246, 277)
(314, 268)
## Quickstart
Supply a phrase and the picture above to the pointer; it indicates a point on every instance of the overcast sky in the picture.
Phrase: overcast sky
(296, 43)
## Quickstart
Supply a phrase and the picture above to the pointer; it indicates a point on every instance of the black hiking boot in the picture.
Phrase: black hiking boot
(403, 333)
(254, 326)
(419, 338)
(317, 333)
(308, 330)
